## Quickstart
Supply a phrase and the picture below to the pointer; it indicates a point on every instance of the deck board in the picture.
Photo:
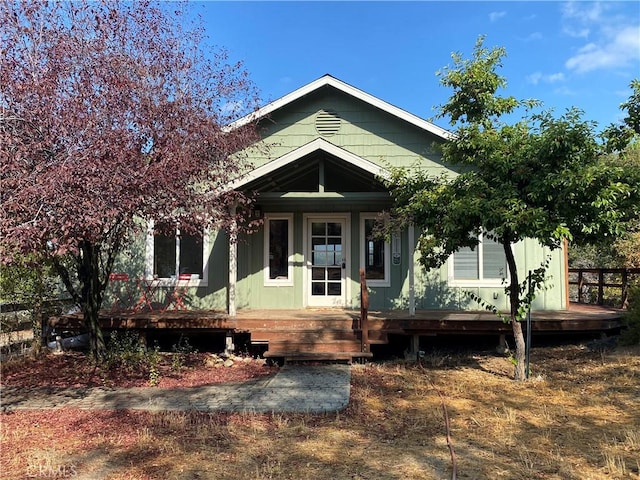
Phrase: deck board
(576, 318)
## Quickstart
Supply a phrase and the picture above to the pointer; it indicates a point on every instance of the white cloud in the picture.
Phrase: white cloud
(555, 77)
(534, 78)
(564, 90)
(495, 16)
(534, 36)
(537, 77)
(614, 39)
(583, 19)
(584, 12)
(618, 50)
(578, 33)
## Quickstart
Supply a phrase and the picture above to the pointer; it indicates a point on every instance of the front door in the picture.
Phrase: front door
(326, 261)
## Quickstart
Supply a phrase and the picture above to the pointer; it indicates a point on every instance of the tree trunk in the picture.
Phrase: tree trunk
(520, 367)
(92, 274)
(514, 302)
(91, 295)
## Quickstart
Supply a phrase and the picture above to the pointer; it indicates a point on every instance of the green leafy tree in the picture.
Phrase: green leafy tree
(623, 141)
(536, 178)
(618, 137)
(29, 283)
(621, 148)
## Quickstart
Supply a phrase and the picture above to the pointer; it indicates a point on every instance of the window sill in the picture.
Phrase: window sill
(478, 283)
(276, 283)
(378, 283)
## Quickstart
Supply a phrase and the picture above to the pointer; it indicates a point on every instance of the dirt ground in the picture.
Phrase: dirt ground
(577, 418)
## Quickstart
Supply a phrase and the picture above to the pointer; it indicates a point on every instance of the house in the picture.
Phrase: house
(319, 193)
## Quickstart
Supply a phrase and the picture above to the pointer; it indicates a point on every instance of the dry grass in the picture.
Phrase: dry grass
(576, 419)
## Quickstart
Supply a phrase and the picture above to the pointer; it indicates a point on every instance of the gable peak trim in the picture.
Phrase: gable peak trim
(328, 80)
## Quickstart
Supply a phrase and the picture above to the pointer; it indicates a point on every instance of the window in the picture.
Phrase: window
(374, 257)
(486, 264)
(278, 249)
(168, 256)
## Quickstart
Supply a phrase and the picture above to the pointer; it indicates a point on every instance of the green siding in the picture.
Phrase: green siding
(529, 256)
(432, 290)
(366, 131)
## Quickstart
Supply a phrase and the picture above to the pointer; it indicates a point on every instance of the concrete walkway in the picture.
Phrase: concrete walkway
(295, 388)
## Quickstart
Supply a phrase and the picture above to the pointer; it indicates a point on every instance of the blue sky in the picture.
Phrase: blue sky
(565, 54)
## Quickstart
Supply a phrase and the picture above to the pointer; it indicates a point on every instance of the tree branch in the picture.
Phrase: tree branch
(66, 279)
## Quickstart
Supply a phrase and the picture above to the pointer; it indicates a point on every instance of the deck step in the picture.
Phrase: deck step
(312, 347)
(319, 356)
(306, 346)
(276, 335)
(254, 324)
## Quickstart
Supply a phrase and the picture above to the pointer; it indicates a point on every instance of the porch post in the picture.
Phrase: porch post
(412, 291)
(233, 272)
(233, 265)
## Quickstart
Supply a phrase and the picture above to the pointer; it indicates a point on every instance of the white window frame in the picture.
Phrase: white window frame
(278, 282)
(481, 281)
(149, 255)
(386, 282)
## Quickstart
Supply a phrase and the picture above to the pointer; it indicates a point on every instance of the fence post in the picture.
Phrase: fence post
(580, 285)
(600, 286)
(625, 288)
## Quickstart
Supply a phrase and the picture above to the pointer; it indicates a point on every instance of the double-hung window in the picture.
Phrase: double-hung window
(278, 249)
(484, 265)
(171, 255)
(374, 256)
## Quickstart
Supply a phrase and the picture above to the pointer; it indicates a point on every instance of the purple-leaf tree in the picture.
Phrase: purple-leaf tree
(112, 113)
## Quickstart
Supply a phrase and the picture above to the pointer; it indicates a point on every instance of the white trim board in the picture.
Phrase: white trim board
(319, 144)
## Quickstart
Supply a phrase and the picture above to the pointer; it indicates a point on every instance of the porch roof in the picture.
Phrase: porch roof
(353, 162)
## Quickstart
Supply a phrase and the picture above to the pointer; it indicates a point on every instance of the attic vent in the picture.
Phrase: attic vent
(327, 123)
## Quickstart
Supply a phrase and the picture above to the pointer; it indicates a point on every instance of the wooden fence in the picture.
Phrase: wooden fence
(618, 279)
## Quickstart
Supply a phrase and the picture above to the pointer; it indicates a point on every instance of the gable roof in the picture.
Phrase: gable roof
(328, 80)
(319, 144)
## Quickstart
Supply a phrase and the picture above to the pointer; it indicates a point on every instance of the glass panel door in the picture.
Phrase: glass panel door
(327, 262)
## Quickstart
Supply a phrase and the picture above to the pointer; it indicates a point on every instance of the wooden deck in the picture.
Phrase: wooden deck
(334, 334)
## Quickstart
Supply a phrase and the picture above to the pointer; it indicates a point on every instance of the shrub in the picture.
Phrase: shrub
(126, 350)
(180, 351)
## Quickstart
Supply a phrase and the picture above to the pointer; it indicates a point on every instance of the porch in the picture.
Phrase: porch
(336, 334)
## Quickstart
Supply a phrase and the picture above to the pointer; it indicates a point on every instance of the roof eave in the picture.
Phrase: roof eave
(328, 80)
